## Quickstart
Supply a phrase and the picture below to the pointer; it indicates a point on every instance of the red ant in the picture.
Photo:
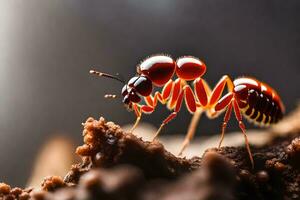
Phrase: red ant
(247, 96)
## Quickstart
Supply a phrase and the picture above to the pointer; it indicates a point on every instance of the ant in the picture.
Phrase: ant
(246, 96)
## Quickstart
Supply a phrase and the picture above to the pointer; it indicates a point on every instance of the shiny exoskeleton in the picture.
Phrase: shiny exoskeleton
(246, 96)
(258, 101)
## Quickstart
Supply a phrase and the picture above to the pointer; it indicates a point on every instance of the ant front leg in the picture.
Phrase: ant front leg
(139, 109)
(151, 103)
(138, 114)
(190, 103)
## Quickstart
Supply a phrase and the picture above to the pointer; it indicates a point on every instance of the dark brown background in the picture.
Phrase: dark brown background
(47, 48)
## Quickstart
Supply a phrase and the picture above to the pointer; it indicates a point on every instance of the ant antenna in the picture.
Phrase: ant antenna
(110, 96)
(106, 75)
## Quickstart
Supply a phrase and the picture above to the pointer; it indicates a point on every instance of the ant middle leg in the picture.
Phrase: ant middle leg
(171, 116)
(151, 103)
(176, 110)
(191, 104)
(202, 91)
(191, 130)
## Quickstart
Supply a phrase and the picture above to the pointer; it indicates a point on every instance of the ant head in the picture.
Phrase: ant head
(135, 88)
(132, 91)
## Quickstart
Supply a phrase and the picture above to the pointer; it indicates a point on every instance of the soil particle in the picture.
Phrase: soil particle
(118, 165)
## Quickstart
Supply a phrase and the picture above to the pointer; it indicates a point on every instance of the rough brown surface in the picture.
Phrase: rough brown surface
(118, 165)
(7, 193)
(107, 145)
(224, 173)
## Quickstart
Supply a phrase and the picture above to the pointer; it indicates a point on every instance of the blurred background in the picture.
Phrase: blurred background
(48, 47)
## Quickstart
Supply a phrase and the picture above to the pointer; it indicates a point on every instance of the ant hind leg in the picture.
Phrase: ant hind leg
(224, 102)
(225, 121)
(243, 128)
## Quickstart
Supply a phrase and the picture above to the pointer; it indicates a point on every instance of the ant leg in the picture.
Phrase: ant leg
(138, 114)
(172, 115)
(166, 91)
(224, 102)
(219, 88)
(243, 128)
(143, 109)
(216, 95)
(137, 121)
(190, 101)
(161, 97)
(175, 94)
(151, 102)
(202, 92)
(191, 130)
(167, 120)
(225, 121)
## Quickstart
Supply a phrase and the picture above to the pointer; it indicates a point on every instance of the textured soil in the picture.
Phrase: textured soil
(118, 165)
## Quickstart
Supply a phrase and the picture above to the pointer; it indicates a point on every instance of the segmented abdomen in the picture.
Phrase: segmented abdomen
(263, 105)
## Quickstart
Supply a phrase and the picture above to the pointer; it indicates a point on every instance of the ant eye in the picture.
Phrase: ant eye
(133, 97)
(143, 86)
(132, 81)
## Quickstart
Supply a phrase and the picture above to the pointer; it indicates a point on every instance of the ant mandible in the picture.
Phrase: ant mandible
(255, 100)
